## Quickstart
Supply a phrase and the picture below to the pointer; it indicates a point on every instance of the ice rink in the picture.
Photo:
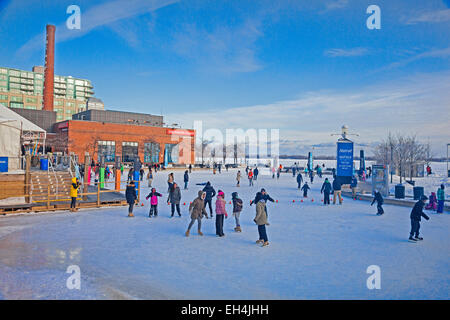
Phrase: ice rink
(315, 252)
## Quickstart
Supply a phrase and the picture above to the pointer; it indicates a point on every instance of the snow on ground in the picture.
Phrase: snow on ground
(315, 252)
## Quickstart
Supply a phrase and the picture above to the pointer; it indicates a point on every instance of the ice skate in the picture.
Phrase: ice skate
(265, 244)
(131, 214)
(418, 238)
(259, 241)
(187, 233)
(200, 233)
(411, 239)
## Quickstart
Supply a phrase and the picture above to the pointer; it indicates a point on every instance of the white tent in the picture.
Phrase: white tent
(15, 130)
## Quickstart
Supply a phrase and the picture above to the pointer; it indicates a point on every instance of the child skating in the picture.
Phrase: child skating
(378, 198)
(153, 196)
(220, 213)
(305, 189)
(416, 215)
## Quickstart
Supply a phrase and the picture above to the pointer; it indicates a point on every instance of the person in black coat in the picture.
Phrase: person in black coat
(305, 189)
(299, 179)
(186, 179)
(379, 199)
(337, 191)
(210, 193)
(255, 174)
(326, 190)
(416, 215)
(130, 195)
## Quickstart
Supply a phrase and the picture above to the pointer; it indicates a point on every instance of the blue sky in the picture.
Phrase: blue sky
(304, 67)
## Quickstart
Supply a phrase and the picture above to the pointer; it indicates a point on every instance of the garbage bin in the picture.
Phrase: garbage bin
(399, 191)
(44, 164)
(418, 192)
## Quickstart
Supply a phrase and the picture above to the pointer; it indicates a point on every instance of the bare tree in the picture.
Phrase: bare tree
(203, 145)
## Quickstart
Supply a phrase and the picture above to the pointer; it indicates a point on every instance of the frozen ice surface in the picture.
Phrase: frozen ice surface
(315, 252)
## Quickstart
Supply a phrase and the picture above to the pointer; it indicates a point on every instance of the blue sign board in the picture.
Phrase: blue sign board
(3, 164)
(310, 161)
(344, 158)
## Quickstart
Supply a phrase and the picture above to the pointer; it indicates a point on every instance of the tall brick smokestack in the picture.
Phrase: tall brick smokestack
(49, 73)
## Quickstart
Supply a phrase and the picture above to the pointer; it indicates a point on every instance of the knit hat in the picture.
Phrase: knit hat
(221, 194)
(424, 197)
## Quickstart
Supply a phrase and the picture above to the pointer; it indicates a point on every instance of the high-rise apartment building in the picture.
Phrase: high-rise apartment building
(24, 89)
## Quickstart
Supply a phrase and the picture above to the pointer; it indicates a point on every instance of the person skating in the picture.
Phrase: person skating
(255, 173)
(153, 196)
(190, 168)
(237, 208)
(238, 178)
(326, 190)
(337, 191)
(74, 194)
(353, 185)
(273, 172)
(293, 170)
(130, 195)
(264, 196)
(210, 193)
(305, 189)
(416, 215)
(174, 199)
(150, 177)
(141, 173)
(220, 213)
(250, 177)
(311, 176)
(440, 199)
(299, 180)
(170, 180)
(379, 199)
(186, 179)
(197, 211)
(261, 220)
(432, 202)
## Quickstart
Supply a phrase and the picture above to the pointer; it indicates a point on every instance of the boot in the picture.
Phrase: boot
(200, 233)
(240, 230)
(187, 233)
(130, 214)
(265, 244)
(259, 241)
(236, 229)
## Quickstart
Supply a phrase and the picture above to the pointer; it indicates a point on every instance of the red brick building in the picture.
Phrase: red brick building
(152, 144)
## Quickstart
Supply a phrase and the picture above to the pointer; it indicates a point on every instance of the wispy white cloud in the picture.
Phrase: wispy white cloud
(435, 16)
(100, 15)
(353, 52)
(417, 104)
(336, 4)
(433, 53)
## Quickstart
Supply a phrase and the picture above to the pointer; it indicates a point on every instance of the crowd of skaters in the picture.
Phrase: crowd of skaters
(198, 207)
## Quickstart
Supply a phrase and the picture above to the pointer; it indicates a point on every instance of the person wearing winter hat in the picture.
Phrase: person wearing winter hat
(378, 198)
(261, 220)
(153, 196)
(197, 211)
(237, 208)
(220, 213)
(416, 214)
